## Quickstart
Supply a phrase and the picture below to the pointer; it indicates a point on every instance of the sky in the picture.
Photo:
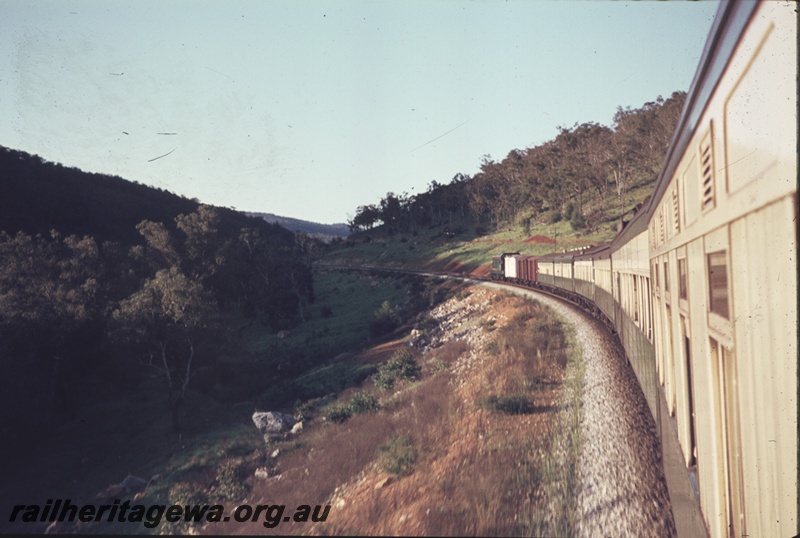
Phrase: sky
(309, 109)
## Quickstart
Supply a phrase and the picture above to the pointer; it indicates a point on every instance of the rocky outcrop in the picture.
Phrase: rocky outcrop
(273, 423)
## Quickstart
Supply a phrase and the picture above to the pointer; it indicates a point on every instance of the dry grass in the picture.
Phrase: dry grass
(475, 470)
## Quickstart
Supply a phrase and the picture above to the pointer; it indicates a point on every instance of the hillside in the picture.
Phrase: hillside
(37, 196)
(579, 189)
(323, 232)
(100, 275)
(378, 444)
(468, 249)
(589, 175)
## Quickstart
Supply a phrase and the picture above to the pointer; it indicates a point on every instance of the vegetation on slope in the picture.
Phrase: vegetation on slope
(127, 295)
(583, 176)
(439, 455)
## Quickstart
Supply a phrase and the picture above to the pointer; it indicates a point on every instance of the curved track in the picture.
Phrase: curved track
(623, 491)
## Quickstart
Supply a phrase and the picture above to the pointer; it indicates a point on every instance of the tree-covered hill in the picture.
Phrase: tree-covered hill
(583, 175)
(101, 275)
(37, 196)
(323, 232)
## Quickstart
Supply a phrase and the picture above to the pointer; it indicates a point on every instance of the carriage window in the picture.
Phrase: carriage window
(655, 276)
(666, 276)
(682, 279)
(718, 283)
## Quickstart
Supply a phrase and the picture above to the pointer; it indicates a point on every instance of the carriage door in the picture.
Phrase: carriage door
(686, 341)
(723, 360)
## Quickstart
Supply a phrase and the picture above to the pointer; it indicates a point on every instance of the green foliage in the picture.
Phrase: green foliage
(49, 287)
(168, 301)
(168, 316)
(402, 366)
(575, 217)
(578, 221)
(491, 348)
(362, 402)
(511, 405)
(399, 455)
(359, 403)
(53, 298)
(230, 478)
(338, 413)
(152, 292)
(386, 320)
(589, 163)
(183, 494)
(39, 196)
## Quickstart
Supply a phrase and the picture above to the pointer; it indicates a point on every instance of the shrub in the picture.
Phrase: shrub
(386, 320)
(510, 405)
(570, 210)
(402, 366)
(338, 414)
(555, 216)
(230, 481)
(492, 348)
(362, 402)
(578, 221)
(184, 493)
(398, 455)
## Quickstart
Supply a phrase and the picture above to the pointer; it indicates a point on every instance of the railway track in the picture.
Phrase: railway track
(623, 490)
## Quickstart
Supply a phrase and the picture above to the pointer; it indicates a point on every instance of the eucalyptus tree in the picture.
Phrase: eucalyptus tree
(366, 217)
(51, 311)
(168, 319)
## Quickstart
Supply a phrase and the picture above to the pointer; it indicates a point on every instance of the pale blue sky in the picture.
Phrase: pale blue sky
(310, 109)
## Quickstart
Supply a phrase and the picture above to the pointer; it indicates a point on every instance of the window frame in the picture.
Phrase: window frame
(719, 326)
(683, 280)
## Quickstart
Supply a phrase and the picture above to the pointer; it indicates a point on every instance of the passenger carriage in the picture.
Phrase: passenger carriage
(701, 286)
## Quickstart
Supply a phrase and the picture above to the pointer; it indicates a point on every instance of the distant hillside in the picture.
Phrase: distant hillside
(325, 232)
(37, 196)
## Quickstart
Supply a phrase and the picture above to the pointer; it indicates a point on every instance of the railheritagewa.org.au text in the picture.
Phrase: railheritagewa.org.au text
(62, 511)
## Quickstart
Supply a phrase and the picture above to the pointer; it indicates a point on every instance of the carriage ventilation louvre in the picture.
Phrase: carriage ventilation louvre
(676, 211)
(707, 172)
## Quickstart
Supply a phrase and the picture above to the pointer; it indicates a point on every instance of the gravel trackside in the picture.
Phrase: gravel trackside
(622, 487)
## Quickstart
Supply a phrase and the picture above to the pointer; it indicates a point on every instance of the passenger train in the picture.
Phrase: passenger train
(701, 286)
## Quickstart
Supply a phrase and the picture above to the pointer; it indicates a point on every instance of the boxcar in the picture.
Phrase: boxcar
(526, 270)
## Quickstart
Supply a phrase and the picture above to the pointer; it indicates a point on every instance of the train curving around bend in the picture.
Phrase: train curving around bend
(701, 286)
